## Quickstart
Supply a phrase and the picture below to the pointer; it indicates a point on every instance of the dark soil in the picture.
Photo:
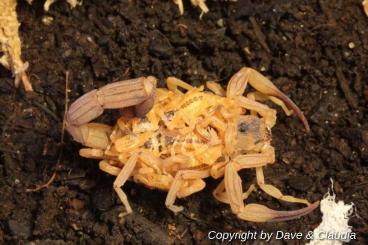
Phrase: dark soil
(315, 51)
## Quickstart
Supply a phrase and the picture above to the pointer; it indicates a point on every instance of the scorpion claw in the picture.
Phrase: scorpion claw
(262, 84)
(143, 108)
(137, 92)
(260, 213)
(265, 86)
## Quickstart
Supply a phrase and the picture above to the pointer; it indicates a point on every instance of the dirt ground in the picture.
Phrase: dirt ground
(315, 51)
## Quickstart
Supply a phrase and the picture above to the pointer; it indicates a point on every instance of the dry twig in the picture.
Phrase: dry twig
(66, 101)
(39, 187)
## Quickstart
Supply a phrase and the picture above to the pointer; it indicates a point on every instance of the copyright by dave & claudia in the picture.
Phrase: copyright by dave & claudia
(278, 235)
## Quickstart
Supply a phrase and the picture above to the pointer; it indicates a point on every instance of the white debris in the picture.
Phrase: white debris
(334, 228)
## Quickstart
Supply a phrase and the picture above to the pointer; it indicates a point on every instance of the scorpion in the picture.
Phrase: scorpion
(173, 138)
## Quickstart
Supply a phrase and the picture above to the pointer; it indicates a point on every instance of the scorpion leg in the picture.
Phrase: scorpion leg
(92, 153)
(108, 168)
(201, 4)
(218, 169)
(266, 112)
(273, 191)
(120, 180)
(242, 162)
(230, 134)
(192, 186)
(262, 84)
(255, 212)
(175, 188)
(180, 6)
(216, 88)
(258, 161)
(220, 192)
(137, 92)
(173, 83)
(254, 160)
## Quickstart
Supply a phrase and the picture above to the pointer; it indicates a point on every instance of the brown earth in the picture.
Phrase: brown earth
(316, 51)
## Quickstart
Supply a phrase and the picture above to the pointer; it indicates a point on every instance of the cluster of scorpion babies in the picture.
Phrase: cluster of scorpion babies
(196, 130)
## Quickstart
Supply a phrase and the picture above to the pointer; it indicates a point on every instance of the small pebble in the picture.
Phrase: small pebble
(351, 45)
(347, 53)
(76, 204)
(100, 229)
(247, 51)
(47, 20)
(220, 22)
(300, 183)
(102, 198)
(87, 184)
(160, 49)
(199, 235)
(20, 228)
(289, 157)
(338, 188)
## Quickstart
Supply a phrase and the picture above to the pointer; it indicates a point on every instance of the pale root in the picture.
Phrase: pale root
(11, 44)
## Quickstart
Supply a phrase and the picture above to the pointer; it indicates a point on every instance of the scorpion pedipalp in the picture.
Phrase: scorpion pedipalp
(134, 92)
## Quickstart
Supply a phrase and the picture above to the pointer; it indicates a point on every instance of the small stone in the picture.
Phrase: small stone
(228, 227)
(20, 228)
(288, 157)
(286, 88)
(220, 22)
(342, 146)
(337, 187)
(171, 227)
(76, 204)
(351, 45)
(300, 183)
(199, 235)
(347, 53)
(247, 50)
(100, 229)
(47, 20)
(67, 53)
(75, 227)
(87, 184)
(160, 49)
(102, 198)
